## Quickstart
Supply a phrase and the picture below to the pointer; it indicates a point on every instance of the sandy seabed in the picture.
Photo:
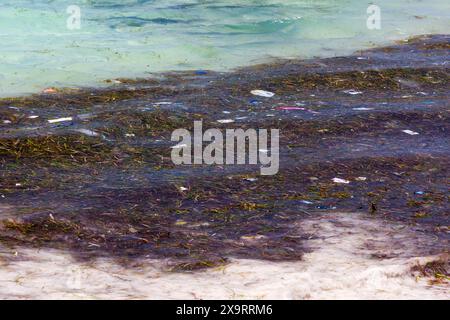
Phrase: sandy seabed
(351, 256)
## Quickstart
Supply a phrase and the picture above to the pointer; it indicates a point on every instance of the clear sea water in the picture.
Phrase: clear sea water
(134, 38)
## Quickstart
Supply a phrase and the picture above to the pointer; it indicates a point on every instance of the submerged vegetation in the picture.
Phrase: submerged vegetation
(103, 184)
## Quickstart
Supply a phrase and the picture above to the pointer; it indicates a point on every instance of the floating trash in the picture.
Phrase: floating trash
(262, 93)
(226, 112)
(306, 202)
(183, 189)
(7, 121)
(49, 90)
(33, 117)
(60, 120)
(352, 92)
(339, 180)
(361, 179)
(290, 108)
(87, 132)
(363, 109)
(322, 207)
(225, 121)
(410, 132)
(251, 179)
(419, 192)
(178, 146)
(130, 135)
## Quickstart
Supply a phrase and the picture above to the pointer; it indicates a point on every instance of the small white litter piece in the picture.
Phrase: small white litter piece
(225, 121)
(241, 118)
(263, 150)
(6, 121)
(262, 93)
(60, 120)
(162, 103)
(306, 202)
(179, 146)
(18, 184)
(352, 92)
(251, 179)
(410, 132)
(33, 117)
(183, 189)
(339, 180)
(362, 109)
(361, 179)
(130, 135)
(226, 112)
(87, 132)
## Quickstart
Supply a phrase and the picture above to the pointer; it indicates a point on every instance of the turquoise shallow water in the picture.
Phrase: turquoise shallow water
(134, 38)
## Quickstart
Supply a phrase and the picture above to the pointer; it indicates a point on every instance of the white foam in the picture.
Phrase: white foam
(340, 265)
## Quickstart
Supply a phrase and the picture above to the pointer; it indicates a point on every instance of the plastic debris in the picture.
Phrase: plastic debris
(290, 108)
(419, 192)
(256, 237)
(88, 132)
(306, 202)
(130, 135)
(49, 90)
(178, 146)
(339, 180)
(363, 109)
(183, 189)
(410, 132)
(251, 179)
(262, 93)
(361, 179)
(60, 120)
(33, 117)
(352, 92)
(226, 112)
(322, 207)
(6, 121)
(225, 121)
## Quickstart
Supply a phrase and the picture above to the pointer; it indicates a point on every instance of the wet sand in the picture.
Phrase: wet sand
(101, 188)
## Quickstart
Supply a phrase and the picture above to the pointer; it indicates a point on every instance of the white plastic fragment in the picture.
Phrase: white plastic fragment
(88, 132)
(179, 146)
(130, 135)
(33, 117)
(225, 121)
(362, 109)
(410, 132)
(352, 92)
(183, 189)
(339, 180)
(361, 179)
(262, 93)
(60, 120)
(251, 179)
(6, 121)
